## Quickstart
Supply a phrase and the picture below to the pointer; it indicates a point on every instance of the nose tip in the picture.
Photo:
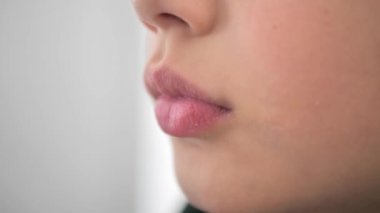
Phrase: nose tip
(195, 16)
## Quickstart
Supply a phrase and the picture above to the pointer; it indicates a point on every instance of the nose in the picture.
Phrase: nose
(195, 16)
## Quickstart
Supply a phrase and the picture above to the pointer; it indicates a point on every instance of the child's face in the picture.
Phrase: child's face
(302, 80)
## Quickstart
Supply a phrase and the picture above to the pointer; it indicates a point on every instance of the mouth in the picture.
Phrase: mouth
(183, 110)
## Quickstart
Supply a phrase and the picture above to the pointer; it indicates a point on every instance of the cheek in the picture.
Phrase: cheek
(308, 59)
(313, 79)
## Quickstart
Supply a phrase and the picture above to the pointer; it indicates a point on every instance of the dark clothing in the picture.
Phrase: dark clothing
(191, 209)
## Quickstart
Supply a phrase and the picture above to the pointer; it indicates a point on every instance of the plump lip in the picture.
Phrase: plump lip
(182, 110)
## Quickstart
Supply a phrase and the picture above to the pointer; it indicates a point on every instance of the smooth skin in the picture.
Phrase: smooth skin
(303, 80)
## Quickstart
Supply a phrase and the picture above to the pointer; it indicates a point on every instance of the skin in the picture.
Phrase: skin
(303, 81)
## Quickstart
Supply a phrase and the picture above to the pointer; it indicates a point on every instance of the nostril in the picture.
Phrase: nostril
(169, 18)
(164, 20)
(195, 17)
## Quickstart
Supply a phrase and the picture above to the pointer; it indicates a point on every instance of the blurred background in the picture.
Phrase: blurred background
(77, 130)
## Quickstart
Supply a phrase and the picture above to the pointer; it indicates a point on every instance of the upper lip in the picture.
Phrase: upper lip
(164, 82)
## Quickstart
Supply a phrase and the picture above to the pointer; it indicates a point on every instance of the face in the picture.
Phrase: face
(299, 83)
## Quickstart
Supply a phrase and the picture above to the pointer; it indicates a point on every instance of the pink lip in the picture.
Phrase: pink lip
(181, 109)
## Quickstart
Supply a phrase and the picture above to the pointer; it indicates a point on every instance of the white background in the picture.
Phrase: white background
(77, 132)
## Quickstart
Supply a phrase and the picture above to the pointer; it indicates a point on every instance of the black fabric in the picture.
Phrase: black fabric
(191, 209)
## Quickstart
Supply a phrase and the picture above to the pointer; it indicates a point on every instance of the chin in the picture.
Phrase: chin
(215, 179)
(213, 185)
(215, 197)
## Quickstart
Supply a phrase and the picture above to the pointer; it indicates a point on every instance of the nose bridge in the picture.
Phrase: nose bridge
(197, 16)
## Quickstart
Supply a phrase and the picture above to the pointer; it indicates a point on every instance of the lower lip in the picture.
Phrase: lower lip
(186, 117)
